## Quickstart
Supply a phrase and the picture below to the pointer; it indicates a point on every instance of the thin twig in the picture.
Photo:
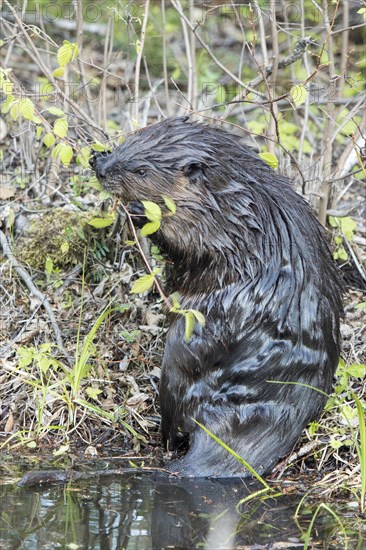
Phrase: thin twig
(207, 48)
(148, 267)
(325, 189)
(138, 62)
(355, 259)
(307, 100)
(194, 85)
(107, 54)
(78, 7)
(297, 54)
(37, 58)
(262, 33)
(165, 65)
(273, 131)
(26, 278)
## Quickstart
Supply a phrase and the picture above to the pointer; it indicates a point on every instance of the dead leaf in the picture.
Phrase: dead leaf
(6, 191)
(9, 423)
(137, 400)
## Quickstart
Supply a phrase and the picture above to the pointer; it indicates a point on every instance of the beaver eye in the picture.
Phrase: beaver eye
(141, 172)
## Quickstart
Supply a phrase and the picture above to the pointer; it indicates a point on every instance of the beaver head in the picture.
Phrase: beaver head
(204, 170)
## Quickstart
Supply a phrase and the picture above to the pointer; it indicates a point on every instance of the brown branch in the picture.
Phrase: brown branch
(297, 54)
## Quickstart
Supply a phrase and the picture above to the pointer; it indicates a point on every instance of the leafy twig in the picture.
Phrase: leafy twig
(297, 54)
(148, 267)
(38, 60)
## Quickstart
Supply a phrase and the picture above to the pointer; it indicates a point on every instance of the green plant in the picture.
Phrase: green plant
(345, 232)
(361, 450)
(144, 283)
(55, 381)
(322, 506)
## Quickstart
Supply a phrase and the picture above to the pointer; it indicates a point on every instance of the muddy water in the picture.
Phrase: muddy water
(136, 512)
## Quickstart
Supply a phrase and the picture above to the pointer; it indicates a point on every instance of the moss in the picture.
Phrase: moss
(61, 236)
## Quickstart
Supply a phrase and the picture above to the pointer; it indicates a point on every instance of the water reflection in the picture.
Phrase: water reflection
(136, 512)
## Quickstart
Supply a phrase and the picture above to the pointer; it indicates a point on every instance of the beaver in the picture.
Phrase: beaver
(248, 253)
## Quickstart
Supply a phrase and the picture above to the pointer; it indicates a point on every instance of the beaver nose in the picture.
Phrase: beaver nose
(92, 162)
(99, 165)
(100, 170)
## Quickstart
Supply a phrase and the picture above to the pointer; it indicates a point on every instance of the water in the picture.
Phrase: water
(135, 512)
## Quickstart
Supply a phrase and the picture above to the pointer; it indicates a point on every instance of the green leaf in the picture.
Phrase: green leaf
(67, 53)
(348, 412)
(44, 363)
(130, 336)
(270, 159)
(49, 265)
(198, 316)
(83, 157)
(100, 223)
(60, 127)
(335, 444)
(26, 108)
(61, 450)
(64, 152)
(175, 297)
(7, 104)
(170, 204)
(56, 111)
(143, 284)
(7, 87)
(357, 370)
(49, 140)
(59, 72)
(150, 228)
(348, 227)
(340, 254)
(333, 221)
(152, 211)
(346, 224)
(65, 247)
(14, 110)
(25, 356)
(98, 147)
(190, 322)
(362, 306)
(93, 393)
(298, 94)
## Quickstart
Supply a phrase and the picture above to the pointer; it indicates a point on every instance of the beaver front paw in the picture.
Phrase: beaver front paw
(137, 211)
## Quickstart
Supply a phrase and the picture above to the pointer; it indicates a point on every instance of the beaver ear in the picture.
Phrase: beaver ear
(194, 171)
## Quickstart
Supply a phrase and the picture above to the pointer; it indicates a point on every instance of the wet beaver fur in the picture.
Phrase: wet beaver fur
(249, 254)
